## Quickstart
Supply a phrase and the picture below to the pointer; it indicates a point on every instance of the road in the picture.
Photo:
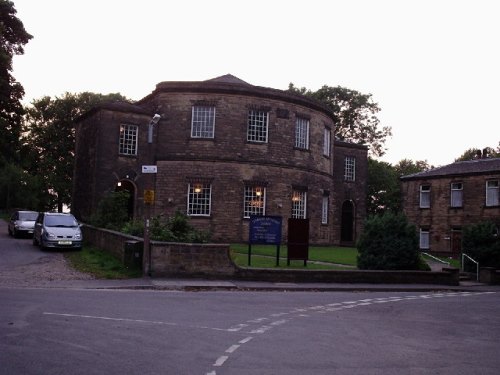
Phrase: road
(93, 331)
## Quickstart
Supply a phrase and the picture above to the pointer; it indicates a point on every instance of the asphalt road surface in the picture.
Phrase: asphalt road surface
(64, 331)
(47, 330)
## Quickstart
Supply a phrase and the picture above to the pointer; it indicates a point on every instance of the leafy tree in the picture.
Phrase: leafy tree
(13, 37)
(481, 242)
(474, 153)
(112, 211)
(50, 140)
(384, 193)
(356, 115)
(406, 166)
(388, 242)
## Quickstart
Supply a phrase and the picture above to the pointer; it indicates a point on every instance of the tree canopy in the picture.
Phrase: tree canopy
(474, 153)
(13, 37)
(49, 140)
(356, 114)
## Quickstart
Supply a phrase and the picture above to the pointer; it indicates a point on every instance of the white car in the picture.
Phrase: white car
(57, 230)
(22, 222)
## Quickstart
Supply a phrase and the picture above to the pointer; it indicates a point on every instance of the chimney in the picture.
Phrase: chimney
(485, 153)
(478, 154)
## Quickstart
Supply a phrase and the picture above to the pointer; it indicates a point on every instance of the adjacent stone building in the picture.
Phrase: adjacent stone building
(223, 150)
(441, 201)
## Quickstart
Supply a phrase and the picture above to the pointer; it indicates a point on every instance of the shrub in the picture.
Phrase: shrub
(112, 211)
(176, 229)
(482, 243)
(388, 242)
(134, 228)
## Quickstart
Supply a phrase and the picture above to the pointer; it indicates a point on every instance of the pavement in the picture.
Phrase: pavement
(177, 284)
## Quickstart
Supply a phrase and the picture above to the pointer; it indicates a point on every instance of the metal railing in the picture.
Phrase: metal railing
(435, 258)
(466, 257)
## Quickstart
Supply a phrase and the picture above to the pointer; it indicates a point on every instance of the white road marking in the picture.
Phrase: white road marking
(109, 318)
(245, 340)
(232, 348)
(220, 361)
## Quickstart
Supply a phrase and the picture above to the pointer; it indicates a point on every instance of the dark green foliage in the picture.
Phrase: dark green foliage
(112, 211)
(388, 242)
(173, 229)
(482, 243)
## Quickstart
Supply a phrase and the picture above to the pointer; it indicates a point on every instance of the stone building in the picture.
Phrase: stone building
(223, 150)
(441, 201)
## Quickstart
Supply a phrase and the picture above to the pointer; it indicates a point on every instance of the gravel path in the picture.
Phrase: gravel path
(53, 267)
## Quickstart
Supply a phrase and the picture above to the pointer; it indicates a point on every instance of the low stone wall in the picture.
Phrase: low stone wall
(488, 275)
(169, 259)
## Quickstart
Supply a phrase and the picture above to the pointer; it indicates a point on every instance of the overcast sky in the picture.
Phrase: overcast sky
(433, 66)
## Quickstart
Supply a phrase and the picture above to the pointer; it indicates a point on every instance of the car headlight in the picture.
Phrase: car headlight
(50, 235)
(78, 236)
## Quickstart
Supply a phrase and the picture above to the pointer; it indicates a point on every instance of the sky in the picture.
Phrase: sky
(433, 66)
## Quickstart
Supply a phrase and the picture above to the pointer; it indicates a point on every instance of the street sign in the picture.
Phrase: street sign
(149, 169)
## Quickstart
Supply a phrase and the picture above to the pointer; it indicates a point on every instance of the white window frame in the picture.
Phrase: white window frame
(202, 121)
(350, 168)
(327, 136)
(425, 196)
(127, 144)
(254, 201)
(456, 194)
(325, 204)
(258, 126)
(424, 239)
(299, 204)
(302, 133)
(199, 199)
(492, 193)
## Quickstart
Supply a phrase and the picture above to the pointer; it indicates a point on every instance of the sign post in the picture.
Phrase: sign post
(149, 199)
(265, 230)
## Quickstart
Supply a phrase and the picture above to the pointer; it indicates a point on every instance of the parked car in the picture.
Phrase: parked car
(57, 230)
(22, 222)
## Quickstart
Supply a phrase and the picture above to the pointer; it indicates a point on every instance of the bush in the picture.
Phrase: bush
(482, 243)
(134, 228)
(112, 211)
(388, 242)
(176, 229)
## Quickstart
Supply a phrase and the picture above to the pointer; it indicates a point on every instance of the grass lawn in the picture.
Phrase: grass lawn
(100, 264)
(265, 256)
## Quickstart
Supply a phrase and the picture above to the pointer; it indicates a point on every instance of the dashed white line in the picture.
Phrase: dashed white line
(232, 348)
(245, 340)
(220, 361)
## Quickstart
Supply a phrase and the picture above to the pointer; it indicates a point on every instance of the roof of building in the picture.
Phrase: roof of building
(460, 168)
(339, 143)
(228, 78)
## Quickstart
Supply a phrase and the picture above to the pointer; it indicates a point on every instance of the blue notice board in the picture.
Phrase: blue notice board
(265, 230)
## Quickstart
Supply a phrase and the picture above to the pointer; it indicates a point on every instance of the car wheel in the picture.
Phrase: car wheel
(10, 232)
(35, 242)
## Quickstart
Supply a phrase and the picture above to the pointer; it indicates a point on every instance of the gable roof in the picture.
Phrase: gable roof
(460, 168)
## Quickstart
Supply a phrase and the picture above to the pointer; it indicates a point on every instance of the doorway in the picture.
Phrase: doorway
(347, 222)
(456, 242)
(128, 186)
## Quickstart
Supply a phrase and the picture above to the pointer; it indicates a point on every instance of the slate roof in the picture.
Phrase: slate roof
(460, 168)
(228, 78)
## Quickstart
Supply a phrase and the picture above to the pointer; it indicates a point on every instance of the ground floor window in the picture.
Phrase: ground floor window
(324, 210)
(424, 239)
(254, 201)
(299, 201)
(199, 199)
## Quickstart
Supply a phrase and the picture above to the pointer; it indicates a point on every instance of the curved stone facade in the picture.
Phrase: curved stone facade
(223, 149)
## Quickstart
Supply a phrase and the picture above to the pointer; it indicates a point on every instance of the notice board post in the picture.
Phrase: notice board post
(265, 230)
(298, 240)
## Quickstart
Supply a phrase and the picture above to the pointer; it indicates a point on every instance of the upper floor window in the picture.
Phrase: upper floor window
(302, 133)
(424, 239)
(324, 209)
(425, 196)
(254, 201)
(203, 122)
(257, 126)
(492, 196)
(456, 194)
(350, 168)
(326, 142)
(128, 140)
(299, 201)
(199, 199)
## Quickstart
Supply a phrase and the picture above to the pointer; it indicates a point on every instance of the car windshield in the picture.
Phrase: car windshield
(28, 216)
(60, 221)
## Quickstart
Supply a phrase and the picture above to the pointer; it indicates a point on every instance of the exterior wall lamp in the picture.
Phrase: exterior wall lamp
(152, 123)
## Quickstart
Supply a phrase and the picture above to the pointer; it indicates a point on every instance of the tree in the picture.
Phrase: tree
(388, 242)
(13, 37)
(384, 193)
(50, 138)
(475, 153)
(482, 242)
(356, 115)
(406, 166)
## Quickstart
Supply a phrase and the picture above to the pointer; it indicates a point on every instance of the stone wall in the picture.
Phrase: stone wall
(214, 261)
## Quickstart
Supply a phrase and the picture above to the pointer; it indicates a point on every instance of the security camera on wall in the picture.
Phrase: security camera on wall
(155, 119)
